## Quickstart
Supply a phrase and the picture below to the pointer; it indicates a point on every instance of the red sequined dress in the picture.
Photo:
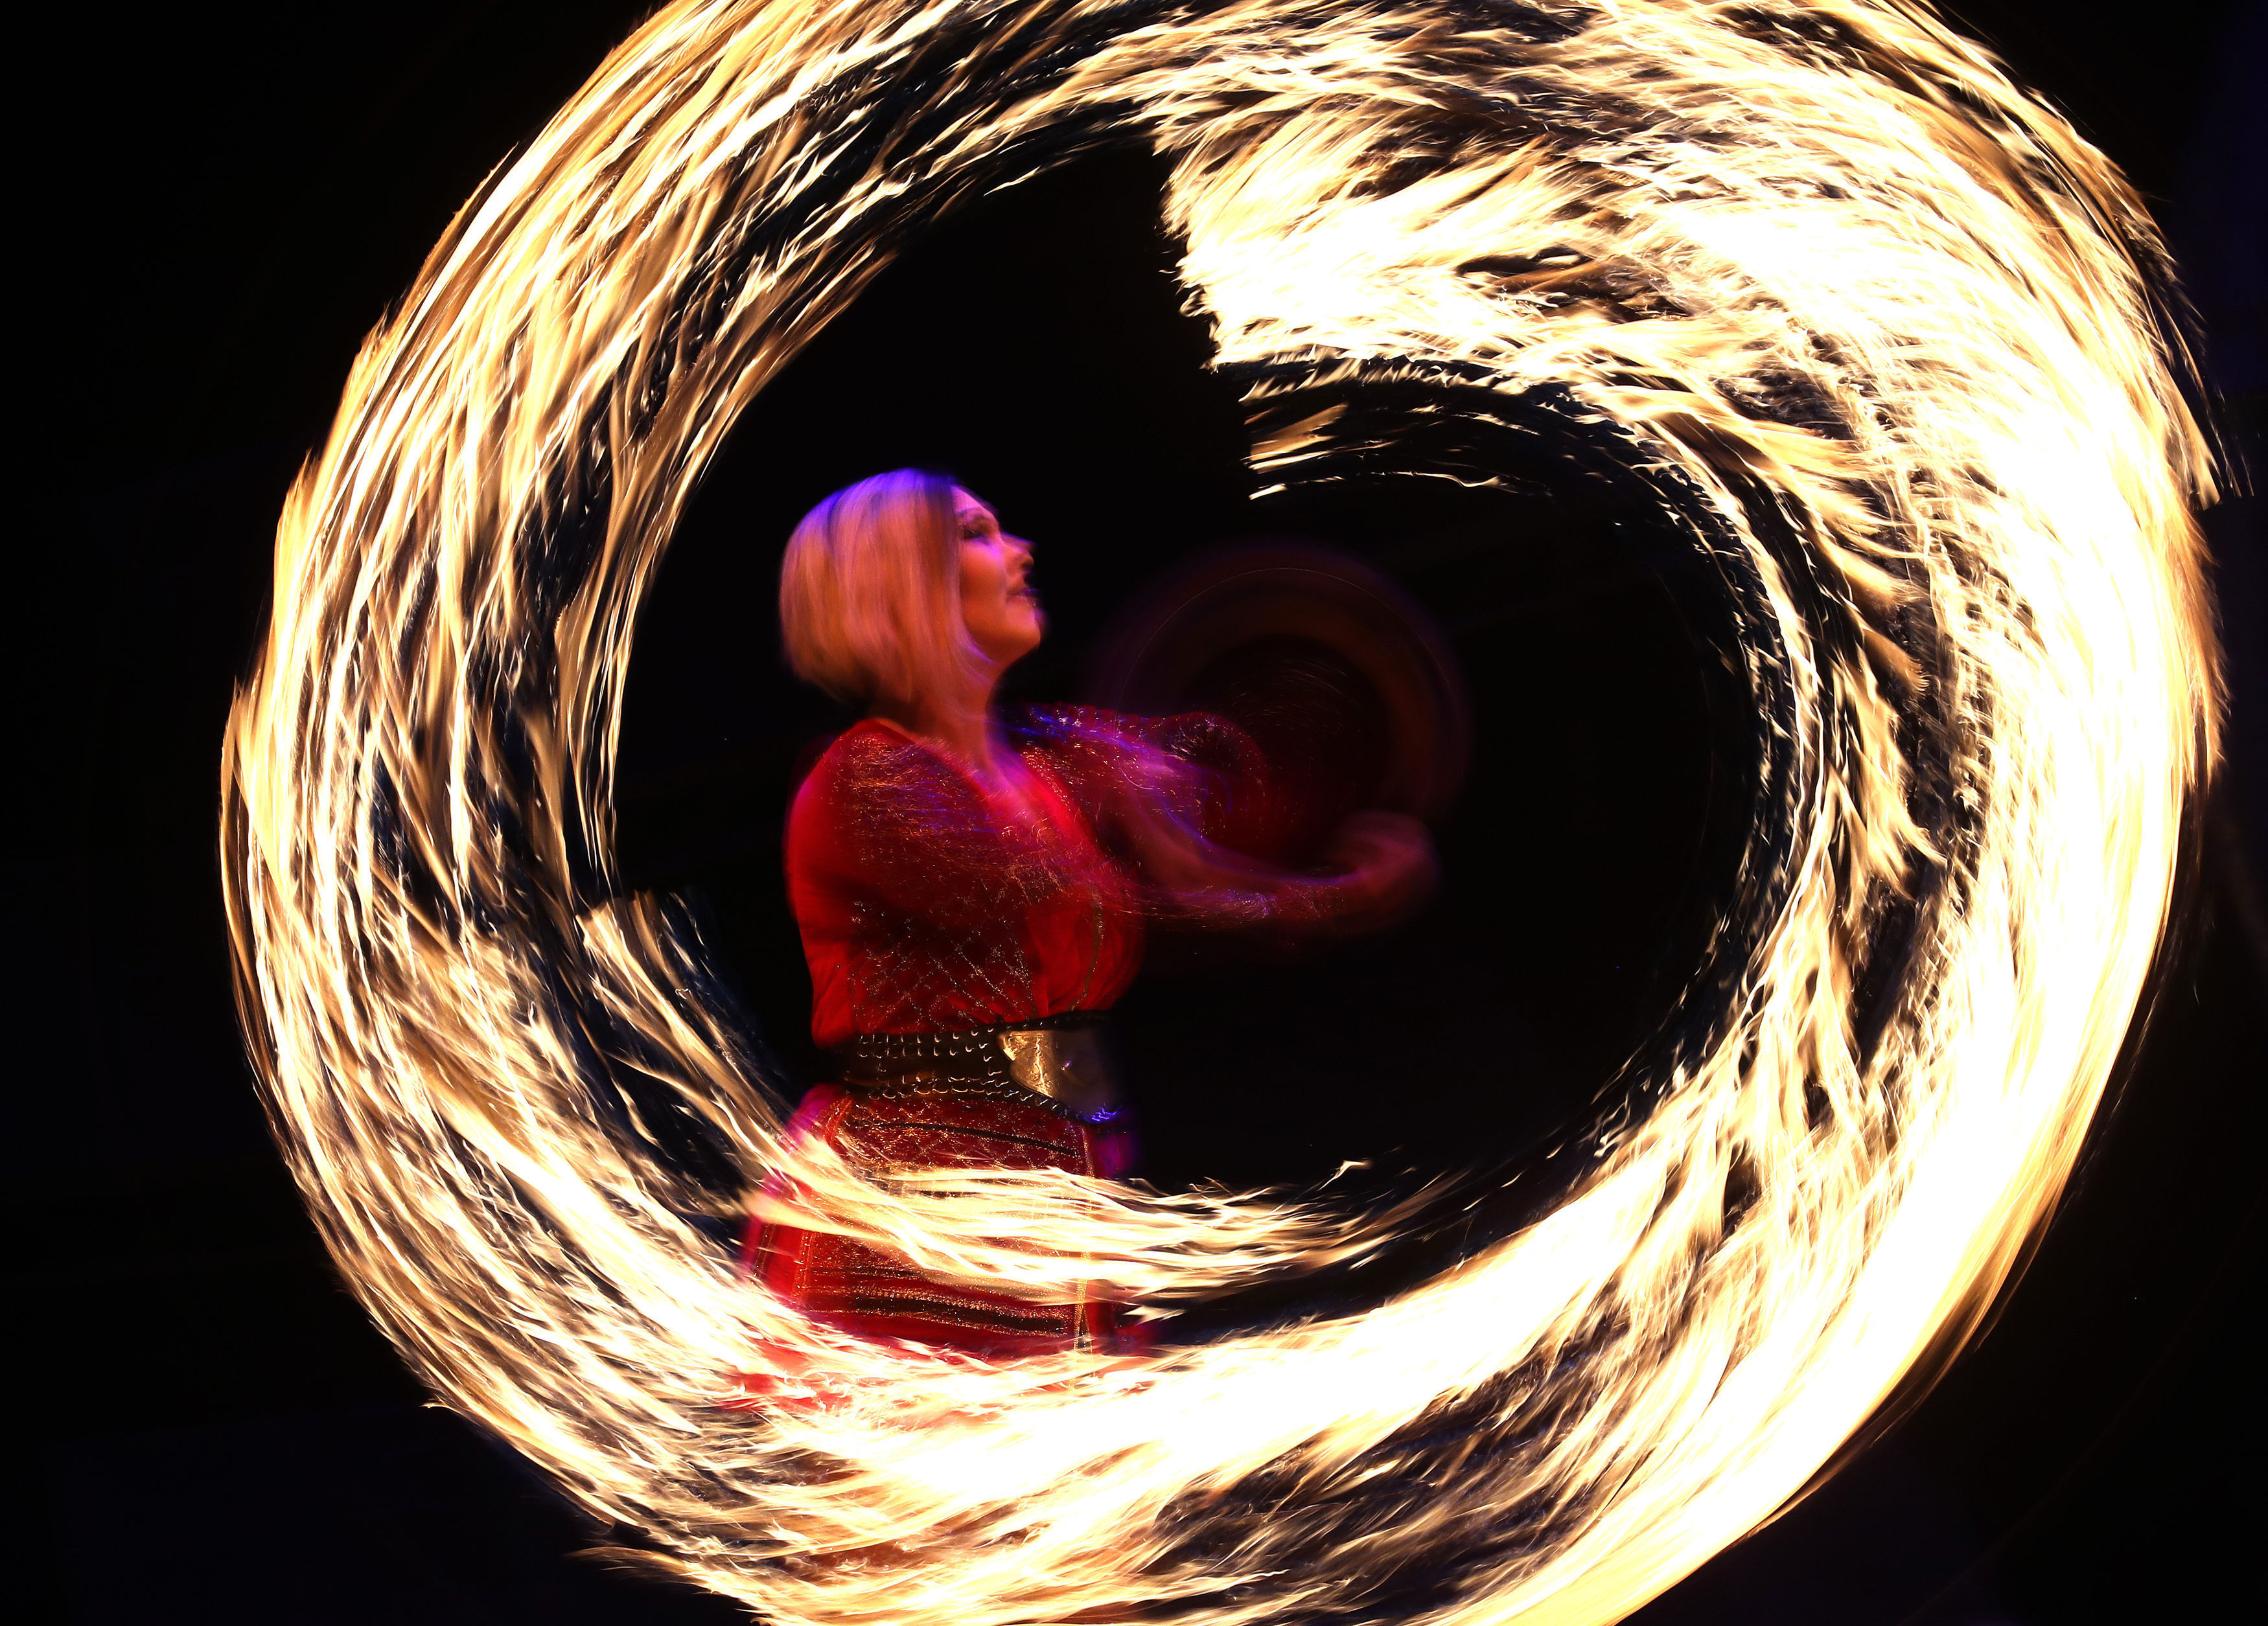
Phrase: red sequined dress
(937, 908)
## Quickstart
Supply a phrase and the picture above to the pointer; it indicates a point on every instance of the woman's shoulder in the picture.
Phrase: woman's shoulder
(1053, 724)
(875, 764)
(870, 744)
(1201, 738)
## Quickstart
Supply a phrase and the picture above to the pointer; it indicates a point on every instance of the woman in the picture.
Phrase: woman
(972, 889)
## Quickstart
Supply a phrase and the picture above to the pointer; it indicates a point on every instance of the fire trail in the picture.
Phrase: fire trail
(1880, 330)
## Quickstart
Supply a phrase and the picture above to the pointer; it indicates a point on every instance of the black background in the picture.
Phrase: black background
(217, 216)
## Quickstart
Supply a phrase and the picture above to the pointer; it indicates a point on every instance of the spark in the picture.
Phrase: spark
(1876, 326)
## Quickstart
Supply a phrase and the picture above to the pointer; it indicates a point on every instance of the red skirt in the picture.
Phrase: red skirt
(875, 1294)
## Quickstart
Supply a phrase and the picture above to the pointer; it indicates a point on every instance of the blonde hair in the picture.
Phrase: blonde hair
(870, 589)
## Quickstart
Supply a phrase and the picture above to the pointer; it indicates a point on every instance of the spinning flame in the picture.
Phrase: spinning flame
(1874, 325)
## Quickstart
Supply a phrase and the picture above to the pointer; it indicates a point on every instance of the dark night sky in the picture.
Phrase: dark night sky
(258, 182)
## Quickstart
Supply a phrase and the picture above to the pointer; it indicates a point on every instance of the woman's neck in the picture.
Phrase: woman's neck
(961, 722)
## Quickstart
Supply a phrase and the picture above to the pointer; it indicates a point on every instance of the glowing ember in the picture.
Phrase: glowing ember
(1873, 320)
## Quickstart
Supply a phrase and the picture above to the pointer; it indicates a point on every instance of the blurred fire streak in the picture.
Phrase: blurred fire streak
(1880, 327)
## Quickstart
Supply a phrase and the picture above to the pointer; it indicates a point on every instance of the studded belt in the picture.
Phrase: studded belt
(1064, 1061)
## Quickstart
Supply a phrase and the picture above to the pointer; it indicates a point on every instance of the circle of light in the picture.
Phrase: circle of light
(1967, 580)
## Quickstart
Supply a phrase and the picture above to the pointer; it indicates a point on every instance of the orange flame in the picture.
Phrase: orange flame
(1671, 213)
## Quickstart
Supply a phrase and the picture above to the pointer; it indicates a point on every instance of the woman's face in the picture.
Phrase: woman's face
(1002, 613)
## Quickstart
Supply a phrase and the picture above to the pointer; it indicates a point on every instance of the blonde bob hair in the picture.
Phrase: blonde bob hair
(870, 589)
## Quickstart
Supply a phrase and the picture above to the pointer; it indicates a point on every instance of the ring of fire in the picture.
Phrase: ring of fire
(1880, 329)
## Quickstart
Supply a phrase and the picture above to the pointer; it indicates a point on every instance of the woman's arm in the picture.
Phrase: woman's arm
(1174, 794)
(1382, 864)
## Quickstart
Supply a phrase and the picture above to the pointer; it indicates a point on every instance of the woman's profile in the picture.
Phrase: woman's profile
(972, 886)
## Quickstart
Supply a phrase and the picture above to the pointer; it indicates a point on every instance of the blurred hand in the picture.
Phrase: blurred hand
(1390, 868)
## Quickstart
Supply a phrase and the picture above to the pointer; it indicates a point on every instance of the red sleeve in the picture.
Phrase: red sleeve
(1202, 769)
(1206, 775)
(1234, 796)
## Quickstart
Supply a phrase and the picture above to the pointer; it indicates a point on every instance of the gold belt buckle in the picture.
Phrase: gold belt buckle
(1068, 1065)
